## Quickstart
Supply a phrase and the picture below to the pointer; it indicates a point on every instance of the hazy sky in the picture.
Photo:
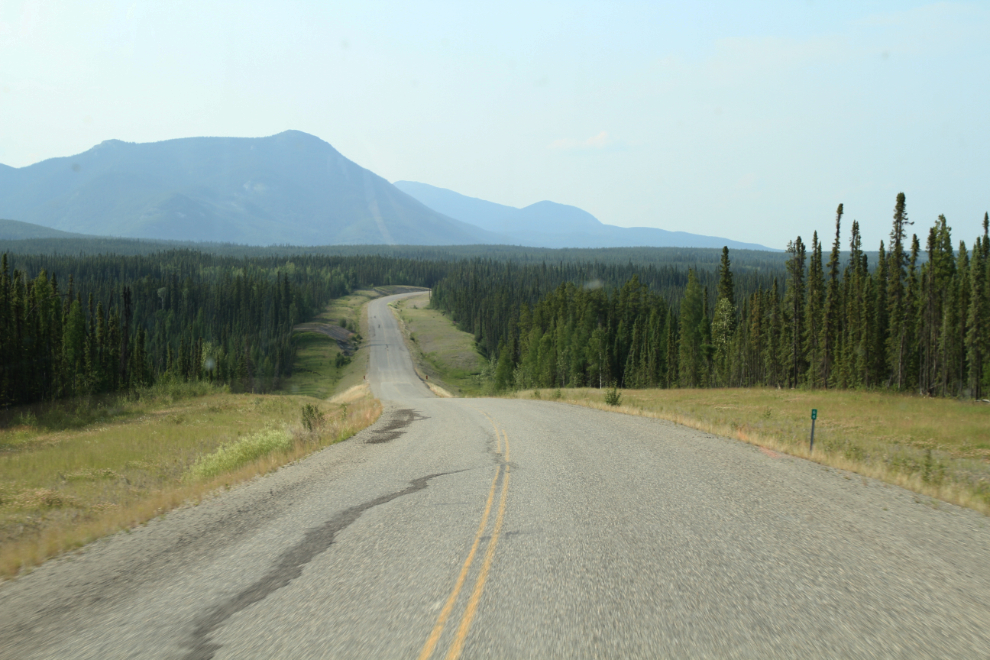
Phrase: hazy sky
(746, 121)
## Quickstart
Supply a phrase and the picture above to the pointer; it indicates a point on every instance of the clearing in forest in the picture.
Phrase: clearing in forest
(440, 350)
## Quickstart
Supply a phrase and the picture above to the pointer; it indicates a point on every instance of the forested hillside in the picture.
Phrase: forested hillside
(912, 321)
(683, 257)
(90, 325)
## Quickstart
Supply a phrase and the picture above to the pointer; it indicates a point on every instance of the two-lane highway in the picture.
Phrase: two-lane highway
(503, 528)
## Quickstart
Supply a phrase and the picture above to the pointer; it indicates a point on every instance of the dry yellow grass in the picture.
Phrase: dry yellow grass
(439, 391)
(62, 489)
(352, 394)
(936, 447)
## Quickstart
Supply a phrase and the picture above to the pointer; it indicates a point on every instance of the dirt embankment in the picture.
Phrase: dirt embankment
(340, 335)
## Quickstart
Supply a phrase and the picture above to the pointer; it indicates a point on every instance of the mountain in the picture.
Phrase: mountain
(547, 224)
(290, 188)
(12, 230)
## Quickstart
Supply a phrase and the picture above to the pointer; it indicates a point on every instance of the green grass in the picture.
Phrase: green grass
(314, 371)
(447, 355)
(939, 447)
(228, 457)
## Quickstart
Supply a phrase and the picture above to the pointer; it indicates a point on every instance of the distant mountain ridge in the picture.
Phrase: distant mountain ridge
(290, 188)
(552, 225)
(286, 189)
(13, 230)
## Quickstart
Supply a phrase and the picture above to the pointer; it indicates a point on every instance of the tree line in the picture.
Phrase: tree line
(901, 318)
(107, 323)
(911, 321)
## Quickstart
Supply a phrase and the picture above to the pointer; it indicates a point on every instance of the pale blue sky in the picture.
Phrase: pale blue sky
(749, 121)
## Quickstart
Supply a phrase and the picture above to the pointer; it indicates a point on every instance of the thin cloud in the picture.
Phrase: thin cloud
(599, 141)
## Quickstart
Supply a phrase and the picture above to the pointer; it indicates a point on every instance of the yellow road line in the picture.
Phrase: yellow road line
(434, 637)
(479, 585)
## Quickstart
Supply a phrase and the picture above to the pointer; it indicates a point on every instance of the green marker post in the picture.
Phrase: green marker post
(814, 416)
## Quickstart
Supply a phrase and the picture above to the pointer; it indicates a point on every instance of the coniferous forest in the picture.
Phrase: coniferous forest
(916, 320)
(101, 324)
(906, 318)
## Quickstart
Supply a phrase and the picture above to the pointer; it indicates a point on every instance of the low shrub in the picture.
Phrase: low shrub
(312, 418)
(241, 452)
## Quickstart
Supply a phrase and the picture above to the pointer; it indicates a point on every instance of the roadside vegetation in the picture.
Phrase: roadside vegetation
(77, 469)
(86, 468)
(908, 322)
(328, 348)
(933, 446)
(445, 356)
(330, 353)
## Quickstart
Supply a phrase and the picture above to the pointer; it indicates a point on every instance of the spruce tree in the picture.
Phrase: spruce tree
(726, 288)
(774, 335)
(977, 320)
(673, 352)
(813, 316)
(722, 335)
(792, 355)
(958, 375)
(897, 314)
(880, 323)
(911, 313)
(755, 368)
(707, 348)
(691, 359)
(831, 322)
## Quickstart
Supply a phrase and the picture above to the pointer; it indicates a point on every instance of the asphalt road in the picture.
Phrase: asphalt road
(485, 528)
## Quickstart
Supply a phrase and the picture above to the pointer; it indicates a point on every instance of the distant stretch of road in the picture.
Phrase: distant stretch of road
(489, 528)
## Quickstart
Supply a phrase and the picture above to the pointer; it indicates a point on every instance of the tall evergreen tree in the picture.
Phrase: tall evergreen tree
(726, 288)
(813, 317)
(897, 312)
(793, 308)
(977, 320)
(691, 357)
(673, 352)
(879, 324)
(831, 312)
(775, 343)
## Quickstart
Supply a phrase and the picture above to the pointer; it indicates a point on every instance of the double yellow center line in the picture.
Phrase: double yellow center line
(479, 585)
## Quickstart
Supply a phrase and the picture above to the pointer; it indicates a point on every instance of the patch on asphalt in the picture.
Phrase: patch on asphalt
(396, 426)
(287, 568)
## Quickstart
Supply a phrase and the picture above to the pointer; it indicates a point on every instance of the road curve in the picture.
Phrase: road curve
(481, 528)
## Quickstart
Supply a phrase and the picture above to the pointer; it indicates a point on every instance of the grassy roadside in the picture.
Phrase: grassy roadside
(63, 488)
(446, 355)
(338, 331)
(936, 447)
(328, 353)
(75, 471)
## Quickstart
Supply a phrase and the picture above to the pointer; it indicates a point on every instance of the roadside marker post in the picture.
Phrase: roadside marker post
(814, 416)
